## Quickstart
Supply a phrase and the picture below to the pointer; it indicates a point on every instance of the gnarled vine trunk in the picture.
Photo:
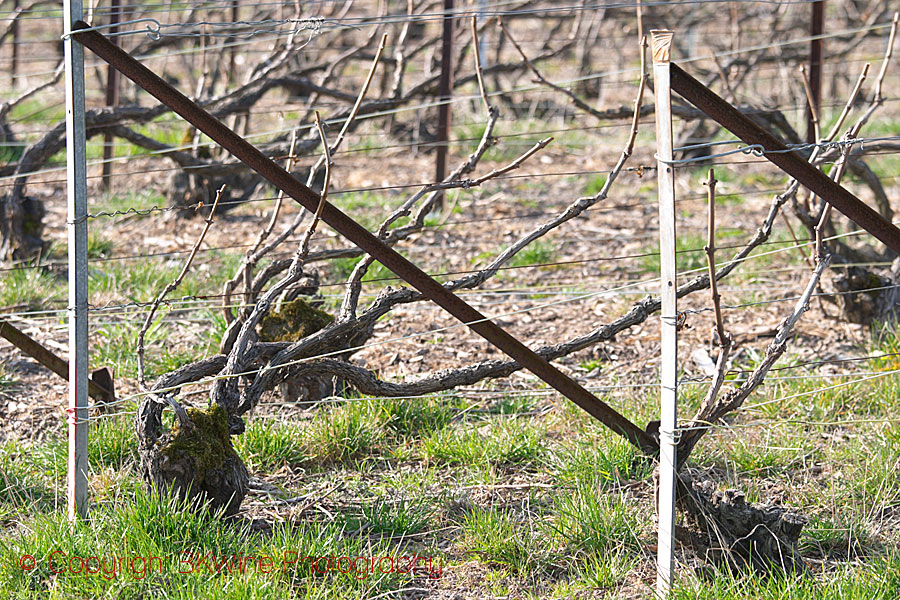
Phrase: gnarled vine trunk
(21, 226)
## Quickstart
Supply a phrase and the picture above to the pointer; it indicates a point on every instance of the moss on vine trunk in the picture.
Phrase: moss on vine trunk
(198, 461)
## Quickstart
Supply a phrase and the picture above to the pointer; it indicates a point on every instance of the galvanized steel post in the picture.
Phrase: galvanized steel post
(76, 174)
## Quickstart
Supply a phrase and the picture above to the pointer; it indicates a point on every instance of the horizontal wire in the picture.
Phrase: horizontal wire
(578, 79)
(562, 288)
(160, 8)
(590, 76)
(471, 271)
(539, 392)
(524, 40)
(580, 261)
(822, 389)
(391, 340)
(760, 151)
(743, 192)
(533, 90)
(640, 169)
(9, 180)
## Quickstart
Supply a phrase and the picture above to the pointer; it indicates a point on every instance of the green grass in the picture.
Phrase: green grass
(345, 433)
(595, 185)
(369, 208)
(499, 442)
(168, 133)
(37, 110)
(593, 521)
(831, 539)
(885, 341)
(11, 152)
(29, 288)
(414, 418)
(22, 483)
(340, 270)
(689, 254)
(139, 281)
(99, 246)
(116, 345)
(137, 200)
(393, 466)
(267, 445)
(514, 404)
(499, 538)
(538, 252)
(395, 518)
(113, 443)
(607, 462)
(165, 545)
(876, 579)
(605, 570)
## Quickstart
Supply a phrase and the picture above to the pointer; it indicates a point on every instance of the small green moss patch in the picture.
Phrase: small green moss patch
(296, 320)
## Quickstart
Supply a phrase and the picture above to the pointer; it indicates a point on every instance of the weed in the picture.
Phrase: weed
(595, 185)
(31, 288)
(267, 445)
(7, 377)
(341, 268)
(21, 484)
(99, 246)
(607, 463)
(516, 404)
(604, 570)
(132, 201)
(113, 443)
(414, 418)
(344, 433)
(594, 521)
(538, 252)
(688, 254)
(876, 580)
(396, 518)
(498, 442)
(495, 537)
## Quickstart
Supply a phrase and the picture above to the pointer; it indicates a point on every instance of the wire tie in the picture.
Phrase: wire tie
(152, 32)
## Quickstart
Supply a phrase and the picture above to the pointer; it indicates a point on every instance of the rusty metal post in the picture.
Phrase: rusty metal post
(790, 162)
(14, 34)
(445, 85)
(112, 96)
(360, 236)
(232, 59)
(816, 58)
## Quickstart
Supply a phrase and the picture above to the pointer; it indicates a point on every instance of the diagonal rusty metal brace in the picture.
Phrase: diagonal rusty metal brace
(790, 162)
(100, 386)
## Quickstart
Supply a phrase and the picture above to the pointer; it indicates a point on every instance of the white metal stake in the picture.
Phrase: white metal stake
(662, 42)
(76, 173)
